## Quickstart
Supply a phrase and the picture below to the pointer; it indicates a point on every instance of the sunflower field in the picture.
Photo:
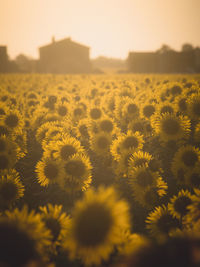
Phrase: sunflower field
(95, 168)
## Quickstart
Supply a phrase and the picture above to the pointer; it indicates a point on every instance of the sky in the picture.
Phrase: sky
(110, 28)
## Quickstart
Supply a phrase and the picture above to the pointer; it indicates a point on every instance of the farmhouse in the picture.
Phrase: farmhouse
(166, 62)
(64, 56)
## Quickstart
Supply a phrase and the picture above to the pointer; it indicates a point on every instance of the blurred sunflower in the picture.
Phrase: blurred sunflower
(11, 188)
(6, 162)
(100, 143)
(49, 171)
(17, 246)
(193, 214)
(97, 226)
(194, 107)
(107, 124)
(181, 104)
(67, 147)
(160, 222)
(126, 142)
(148, 110)
(77, 174)
(187, 157)
(56, 221)
(166, 108)
(130, 110)
(140, 125)
(81, 130)
(139, 158)
(54, 133)
(78, 112)
(141, 177)
(148, 198)
(95, 113)
(12, 119)
(29, 223)
(171, 127)
(178, 205)
(192, 177)
(62, 109)
(133, 243)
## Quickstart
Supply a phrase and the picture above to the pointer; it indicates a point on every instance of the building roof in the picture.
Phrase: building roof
(65, 40)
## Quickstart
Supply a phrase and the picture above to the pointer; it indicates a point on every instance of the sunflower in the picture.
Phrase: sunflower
(166, 108)
(6, 162)
(11, 188)
(160, 222)
(49, 171)
(139, 158)
(42, 130)
(181, 103)
(29, 223)
(67, 147)
(148, 110)
(194, 107)
(107, 125)
(54, 133)
(186, 158)
(171, 127)
(141, 177)
(17, 246)
(77, 173)
(120, 167)
(12, 119)
(56, 221)
(140, 125)
(133, 243)
(62, 109)
(193, 214)
(97, 226)
(192, 177)
(81, 130)
(130, 110)
(100, 143)
(78, 112)
(178, 205)
(126, 142)
(148, 198)
(95, 113)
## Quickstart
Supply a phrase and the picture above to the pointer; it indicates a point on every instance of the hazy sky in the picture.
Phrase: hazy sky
(110, 27)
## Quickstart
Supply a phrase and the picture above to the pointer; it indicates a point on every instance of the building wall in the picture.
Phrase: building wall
(64, 57)
(3, 59)
(168, 62)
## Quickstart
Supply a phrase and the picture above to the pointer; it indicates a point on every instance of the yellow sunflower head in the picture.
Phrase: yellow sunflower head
(100, 143)
(49, 171)
(187, 157)
(194, 107)
(77, 175)
(178, 205)
(56, 221)
(11, 188)
(160, 222)
(171, 127)
(35, 233)
(98, 223)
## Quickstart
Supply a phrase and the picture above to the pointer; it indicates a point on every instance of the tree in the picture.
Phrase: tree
(187, 47)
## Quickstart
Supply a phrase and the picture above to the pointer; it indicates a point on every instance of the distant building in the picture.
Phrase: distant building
(3, 59)
(5, 64)
(64, 56)
(164, 62)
